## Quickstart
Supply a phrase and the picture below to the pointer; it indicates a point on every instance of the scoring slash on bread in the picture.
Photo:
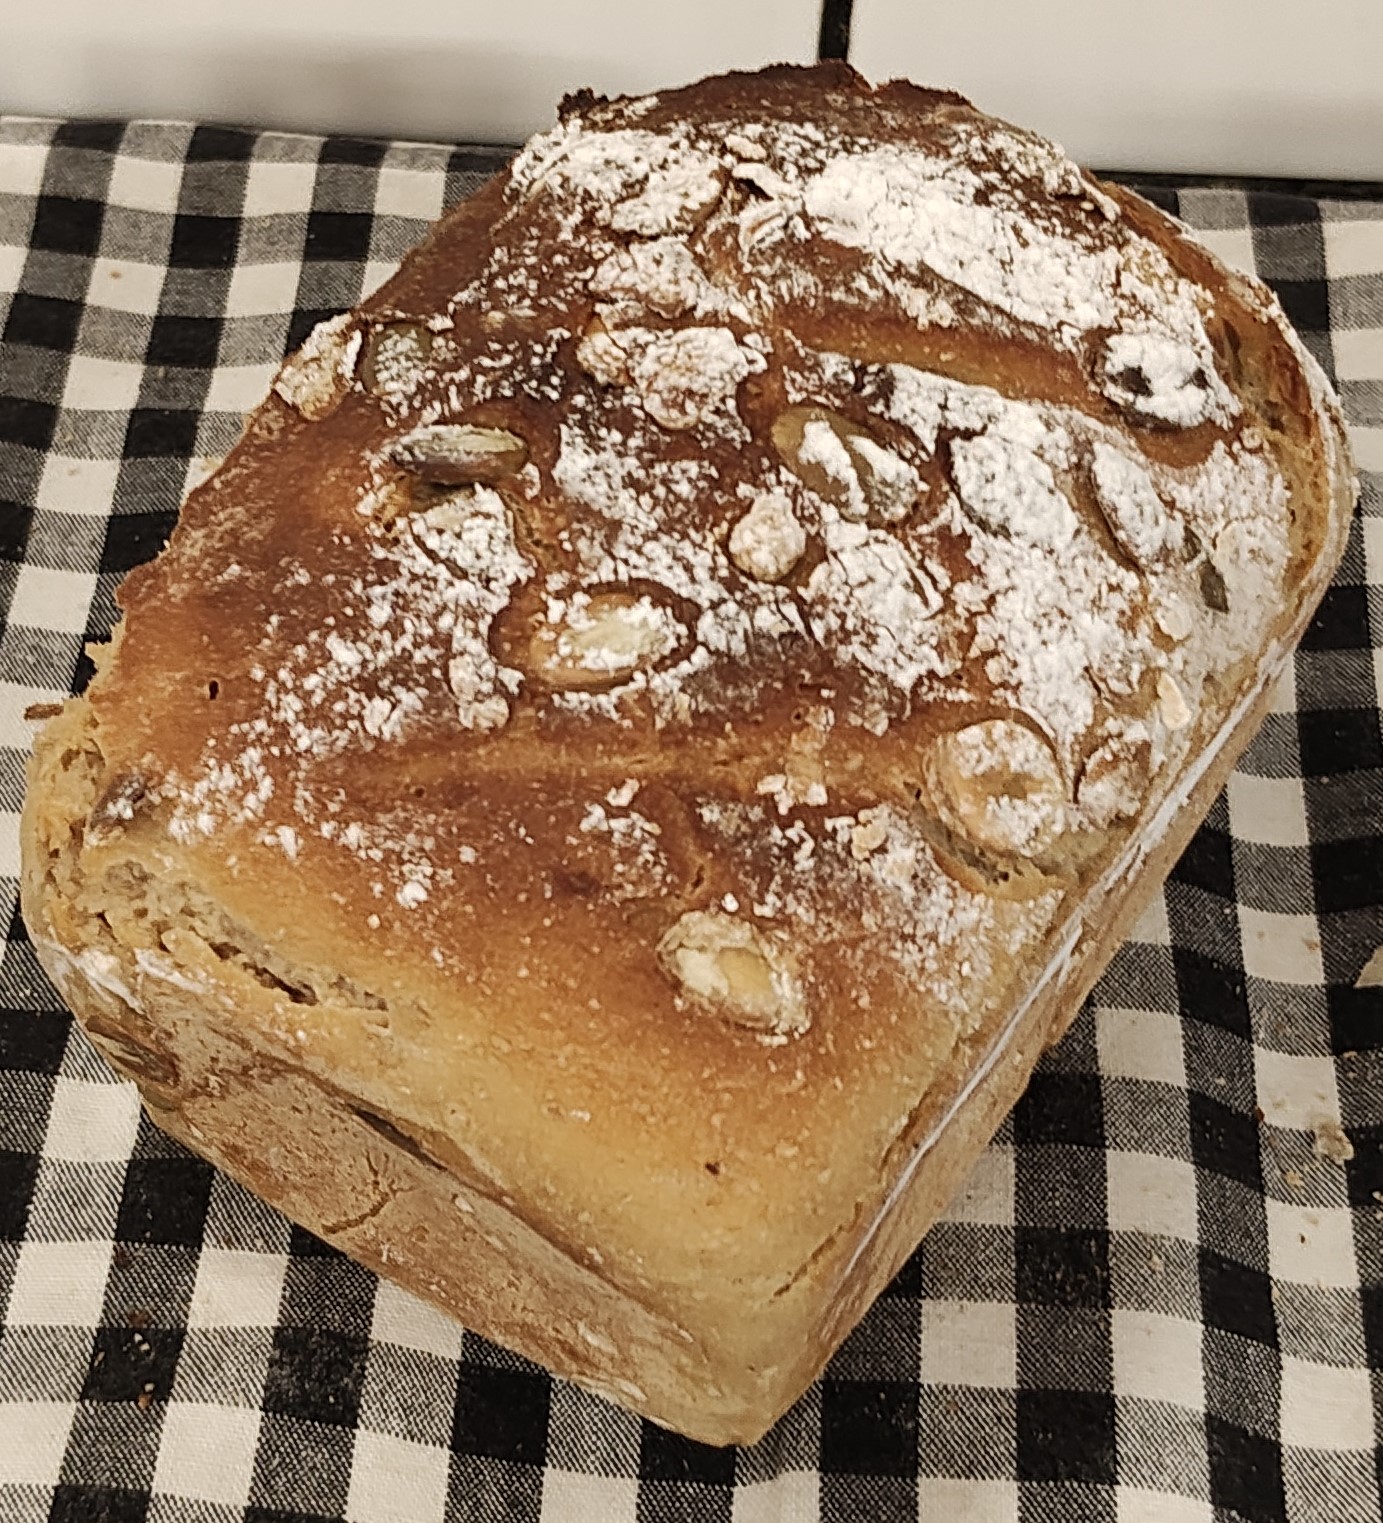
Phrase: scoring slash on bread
(671, 705)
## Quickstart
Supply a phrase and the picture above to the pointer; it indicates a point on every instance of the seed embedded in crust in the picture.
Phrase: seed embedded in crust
(316, 378)
(997, 784)
(745, 147)
(1132, 507)
(842, 462)
(768, 541)
(601, 357)
(674, 198)
(869, 834)
(662, 275)
(1159, 381)
(1174, 619)
(1214, 593)
(602, 639)
(1114, 780)
(1009, 489)
(459, 454)
(1171, 703)
(685, 375)
(396, 355)
(730, 966)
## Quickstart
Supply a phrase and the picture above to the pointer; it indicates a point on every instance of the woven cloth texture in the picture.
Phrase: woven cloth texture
(1159, 1298)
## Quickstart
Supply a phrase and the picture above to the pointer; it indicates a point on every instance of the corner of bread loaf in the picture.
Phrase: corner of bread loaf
(202, 1040)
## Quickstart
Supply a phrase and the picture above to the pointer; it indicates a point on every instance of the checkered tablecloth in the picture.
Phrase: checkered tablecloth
(1160, 1297)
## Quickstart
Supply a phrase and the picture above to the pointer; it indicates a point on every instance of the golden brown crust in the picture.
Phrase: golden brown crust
(741, 609)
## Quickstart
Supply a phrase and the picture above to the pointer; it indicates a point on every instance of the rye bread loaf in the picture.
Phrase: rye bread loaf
(671, 705)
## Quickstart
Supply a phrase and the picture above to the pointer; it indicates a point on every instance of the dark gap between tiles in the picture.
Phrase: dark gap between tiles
(833, 40)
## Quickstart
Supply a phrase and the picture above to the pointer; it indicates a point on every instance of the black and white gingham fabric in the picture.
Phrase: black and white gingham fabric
(1160, 1298)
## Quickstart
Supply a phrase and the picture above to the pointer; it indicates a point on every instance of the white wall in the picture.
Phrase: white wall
(434, 69)
(1273, 87)
(1249, 86)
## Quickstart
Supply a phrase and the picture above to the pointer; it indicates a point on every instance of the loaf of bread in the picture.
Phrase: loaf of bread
(671, 705)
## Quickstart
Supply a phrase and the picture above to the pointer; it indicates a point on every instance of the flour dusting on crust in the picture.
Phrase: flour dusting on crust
(648, 570)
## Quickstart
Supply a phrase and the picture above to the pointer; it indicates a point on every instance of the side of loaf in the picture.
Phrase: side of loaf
(671, 705)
